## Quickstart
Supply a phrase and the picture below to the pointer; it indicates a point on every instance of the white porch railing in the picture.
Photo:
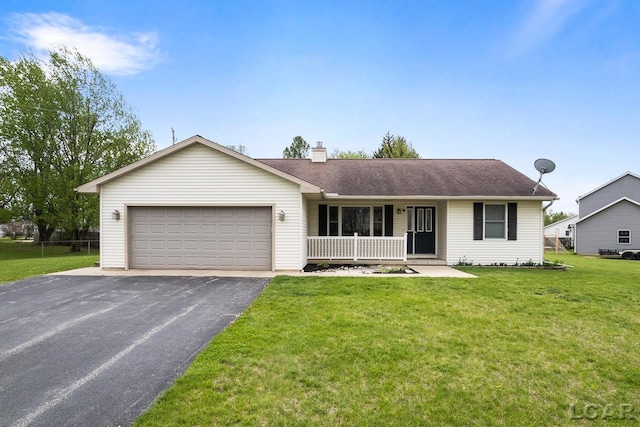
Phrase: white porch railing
(357, 247)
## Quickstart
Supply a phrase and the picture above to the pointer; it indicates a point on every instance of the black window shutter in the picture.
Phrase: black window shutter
(388, 220)
(478, 220)
(512, 221)
(322, 220)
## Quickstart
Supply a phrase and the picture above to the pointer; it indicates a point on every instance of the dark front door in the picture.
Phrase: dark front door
(421, 232)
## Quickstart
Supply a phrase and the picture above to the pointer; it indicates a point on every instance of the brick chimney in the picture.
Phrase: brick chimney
(319, 153)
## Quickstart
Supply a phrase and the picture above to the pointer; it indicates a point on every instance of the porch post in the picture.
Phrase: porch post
(404, 248)
(355, 246)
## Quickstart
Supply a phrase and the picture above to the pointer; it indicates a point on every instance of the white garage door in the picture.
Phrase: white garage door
(219, 238)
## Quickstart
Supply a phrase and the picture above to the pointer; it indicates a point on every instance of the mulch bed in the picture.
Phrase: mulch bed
(366, 268)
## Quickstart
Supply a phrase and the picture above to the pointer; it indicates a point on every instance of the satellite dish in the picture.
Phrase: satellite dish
(543, 166)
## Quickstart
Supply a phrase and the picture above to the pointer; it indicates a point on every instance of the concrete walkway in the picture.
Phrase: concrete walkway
(423, 271)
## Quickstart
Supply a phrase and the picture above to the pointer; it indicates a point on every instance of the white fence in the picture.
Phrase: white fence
(356, 247)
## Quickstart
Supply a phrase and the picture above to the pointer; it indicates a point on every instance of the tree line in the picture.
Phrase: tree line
(392, 147)
(62, 124)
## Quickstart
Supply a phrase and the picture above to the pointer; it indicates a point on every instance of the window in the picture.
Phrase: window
(409, 219)
(356, 220)
(378, 221)
(429, 220)
(333, 221)
(624, 237)
(420, 220)
(494, 221)
(347, 220)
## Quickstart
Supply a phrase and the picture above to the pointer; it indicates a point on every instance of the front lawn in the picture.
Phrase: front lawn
(19, 260)
(513, 347)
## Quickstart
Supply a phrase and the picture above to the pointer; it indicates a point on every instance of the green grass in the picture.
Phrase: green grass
(513, 347)
(19, 260)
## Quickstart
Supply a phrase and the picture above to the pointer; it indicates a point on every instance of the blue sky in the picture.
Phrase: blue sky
(512, 80)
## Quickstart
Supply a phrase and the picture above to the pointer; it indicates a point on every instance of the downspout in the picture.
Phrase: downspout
(544, 208)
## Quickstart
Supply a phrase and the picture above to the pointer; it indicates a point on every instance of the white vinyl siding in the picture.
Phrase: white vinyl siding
(201, 176)
(304, 227)
(442, 214)
(399, 220)
(462, 246)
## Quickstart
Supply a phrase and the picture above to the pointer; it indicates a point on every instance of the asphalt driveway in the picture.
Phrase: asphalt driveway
(80, 350)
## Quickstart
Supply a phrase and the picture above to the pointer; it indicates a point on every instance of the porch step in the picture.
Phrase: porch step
(425, 261)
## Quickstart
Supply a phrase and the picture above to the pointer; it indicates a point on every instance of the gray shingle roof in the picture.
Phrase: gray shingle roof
(412, 177)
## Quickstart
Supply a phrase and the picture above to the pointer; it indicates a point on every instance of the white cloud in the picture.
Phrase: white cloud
(547, 19)
(115, 54)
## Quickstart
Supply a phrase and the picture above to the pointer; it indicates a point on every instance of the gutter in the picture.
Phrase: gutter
(548, 206)
(423, 197)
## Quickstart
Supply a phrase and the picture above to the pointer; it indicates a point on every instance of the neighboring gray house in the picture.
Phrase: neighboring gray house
(609, 216)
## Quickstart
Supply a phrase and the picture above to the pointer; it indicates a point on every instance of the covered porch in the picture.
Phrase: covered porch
(394, 231)
(356, 248)
(366, 248)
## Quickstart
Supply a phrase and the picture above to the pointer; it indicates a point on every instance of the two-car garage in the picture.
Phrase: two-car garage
(200, 237)
(200, 205)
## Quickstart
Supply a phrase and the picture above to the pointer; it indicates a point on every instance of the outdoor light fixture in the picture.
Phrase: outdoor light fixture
(281, 215)
(115, 215)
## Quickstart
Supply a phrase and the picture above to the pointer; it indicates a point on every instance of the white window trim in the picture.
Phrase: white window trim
(625, 237)
(484, 222)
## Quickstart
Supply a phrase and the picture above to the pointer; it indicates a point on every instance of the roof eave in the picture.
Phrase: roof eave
(606, 184)
(604, 208)
(574, 217)
(442, 197)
